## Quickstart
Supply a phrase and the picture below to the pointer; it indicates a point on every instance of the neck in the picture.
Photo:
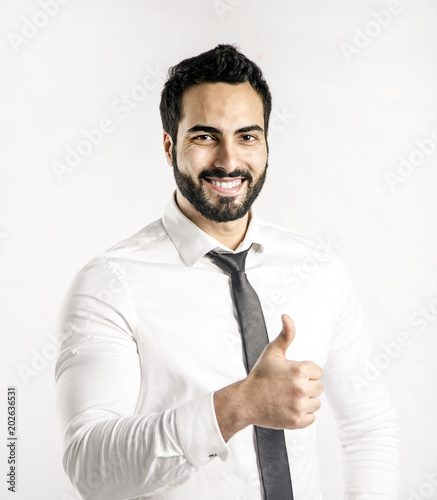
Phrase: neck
(230, 234)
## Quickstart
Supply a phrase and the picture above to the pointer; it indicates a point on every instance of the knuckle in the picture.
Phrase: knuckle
(304, 420)
(300, 370)
(295, 421)
(300, 390)
(299, 407)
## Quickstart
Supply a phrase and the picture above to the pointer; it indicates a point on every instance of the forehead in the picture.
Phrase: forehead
(221, 103)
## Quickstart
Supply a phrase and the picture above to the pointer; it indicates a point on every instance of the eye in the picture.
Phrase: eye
(203, 137)
(249, 138)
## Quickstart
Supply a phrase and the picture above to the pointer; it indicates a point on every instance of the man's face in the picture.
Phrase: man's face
(220, 158)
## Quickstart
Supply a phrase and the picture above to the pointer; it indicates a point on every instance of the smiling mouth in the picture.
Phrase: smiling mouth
(225, 184)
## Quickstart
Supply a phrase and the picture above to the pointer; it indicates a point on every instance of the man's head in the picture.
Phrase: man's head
(215, 110)
(221, 64)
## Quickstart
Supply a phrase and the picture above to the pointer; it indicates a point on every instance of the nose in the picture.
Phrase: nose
(227, 156)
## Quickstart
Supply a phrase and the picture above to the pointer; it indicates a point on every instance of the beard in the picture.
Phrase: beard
(226, 208)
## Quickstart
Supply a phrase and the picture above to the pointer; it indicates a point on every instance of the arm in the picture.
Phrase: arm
(111, 452)
(365, 415)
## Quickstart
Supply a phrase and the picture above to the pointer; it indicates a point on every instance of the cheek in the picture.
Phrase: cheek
(258, 160)
(195, 161)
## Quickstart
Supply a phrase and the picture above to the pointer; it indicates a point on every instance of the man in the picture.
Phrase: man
(153, 386)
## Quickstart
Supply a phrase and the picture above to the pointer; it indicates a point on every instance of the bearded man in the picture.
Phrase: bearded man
(174, 380)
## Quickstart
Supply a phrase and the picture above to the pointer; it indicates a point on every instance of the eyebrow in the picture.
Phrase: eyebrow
(213, 130)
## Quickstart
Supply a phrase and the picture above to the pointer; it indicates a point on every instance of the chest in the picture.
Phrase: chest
(188, 334)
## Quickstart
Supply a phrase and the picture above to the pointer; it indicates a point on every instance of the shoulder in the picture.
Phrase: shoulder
(144, 245)
(302, 255)
(297, 245)
(143, 240)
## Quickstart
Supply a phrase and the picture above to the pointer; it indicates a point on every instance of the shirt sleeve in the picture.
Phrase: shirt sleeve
(111, 451)
(366, 418)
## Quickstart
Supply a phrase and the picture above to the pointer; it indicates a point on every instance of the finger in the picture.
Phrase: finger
(286, 337)
(314, 405)
(312, 370)
(307, 420)
(315, 388)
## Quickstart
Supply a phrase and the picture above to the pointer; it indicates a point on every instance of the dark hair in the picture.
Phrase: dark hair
(222, 64)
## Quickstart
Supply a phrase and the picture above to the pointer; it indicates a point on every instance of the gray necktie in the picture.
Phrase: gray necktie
(272, 452)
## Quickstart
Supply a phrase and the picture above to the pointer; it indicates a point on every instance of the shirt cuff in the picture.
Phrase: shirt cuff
(199, 432)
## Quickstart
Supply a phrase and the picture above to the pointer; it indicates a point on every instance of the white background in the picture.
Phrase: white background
(346, 106)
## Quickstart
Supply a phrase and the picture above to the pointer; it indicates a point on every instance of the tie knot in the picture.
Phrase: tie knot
(230, 262)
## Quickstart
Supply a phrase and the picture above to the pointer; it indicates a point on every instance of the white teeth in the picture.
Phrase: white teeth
(226, 185)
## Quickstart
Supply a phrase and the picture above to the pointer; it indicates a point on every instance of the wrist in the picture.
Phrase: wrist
(232, 409)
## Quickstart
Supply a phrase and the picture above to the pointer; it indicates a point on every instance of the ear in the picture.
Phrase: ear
(168, 147)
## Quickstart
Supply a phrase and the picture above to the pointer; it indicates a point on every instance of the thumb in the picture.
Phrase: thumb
(286, 337)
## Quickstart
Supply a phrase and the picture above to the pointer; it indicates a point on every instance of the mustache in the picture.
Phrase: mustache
(220, 174)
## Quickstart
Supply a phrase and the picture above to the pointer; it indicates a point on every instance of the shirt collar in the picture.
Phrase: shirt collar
(192, 243)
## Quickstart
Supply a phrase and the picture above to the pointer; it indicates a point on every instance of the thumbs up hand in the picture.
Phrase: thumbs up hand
(280, 393)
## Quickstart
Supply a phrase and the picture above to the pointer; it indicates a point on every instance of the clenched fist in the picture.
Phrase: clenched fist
(278, 393)
(283, 393)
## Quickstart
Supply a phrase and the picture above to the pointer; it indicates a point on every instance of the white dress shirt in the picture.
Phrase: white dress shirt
(148, 333)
